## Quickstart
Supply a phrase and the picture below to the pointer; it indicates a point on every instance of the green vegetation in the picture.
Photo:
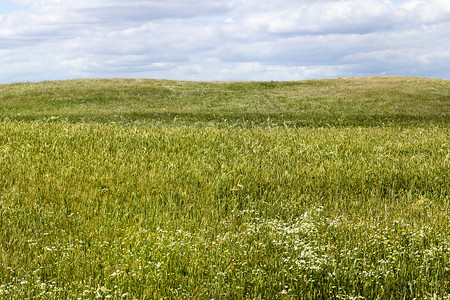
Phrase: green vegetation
(152, 189)
(362, 102)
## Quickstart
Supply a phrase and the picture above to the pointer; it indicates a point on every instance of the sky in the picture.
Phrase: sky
(223, 39)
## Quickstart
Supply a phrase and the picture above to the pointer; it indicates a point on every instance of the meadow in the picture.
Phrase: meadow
(155, 189)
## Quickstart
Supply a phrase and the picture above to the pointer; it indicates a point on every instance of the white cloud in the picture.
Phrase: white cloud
(327, 17)
(234, 39)
(428, 11)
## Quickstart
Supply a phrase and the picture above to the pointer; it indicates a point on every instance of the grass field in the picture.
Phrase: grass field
(150, 189)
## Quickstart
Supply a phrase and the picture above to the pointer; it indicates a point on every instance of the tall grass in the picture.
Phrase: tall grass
(207, 208)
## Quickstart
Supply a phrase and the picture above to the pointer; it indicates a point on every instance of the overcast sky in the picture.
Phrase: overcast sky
(223, 39)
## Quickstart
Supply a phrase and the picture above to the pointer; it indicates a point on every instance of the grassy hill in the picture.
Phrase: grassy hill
(344, 102)
(151, 189)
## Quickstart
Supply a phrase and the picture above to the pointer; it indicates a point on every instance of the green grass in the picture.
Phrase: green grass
(363, 102)
(161, 189)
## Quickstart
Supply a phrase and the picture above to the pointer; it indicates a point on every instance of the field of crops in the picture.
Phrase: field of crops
(153, 189)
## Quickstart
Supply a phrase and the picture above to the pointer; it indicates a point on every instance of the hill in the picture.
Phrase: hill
(153, 189)
(377, 101)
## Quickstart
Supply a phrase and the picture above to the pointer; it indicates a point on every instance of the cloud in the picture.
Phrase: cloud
(327, 17)
(224, 40)
(432, 11)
